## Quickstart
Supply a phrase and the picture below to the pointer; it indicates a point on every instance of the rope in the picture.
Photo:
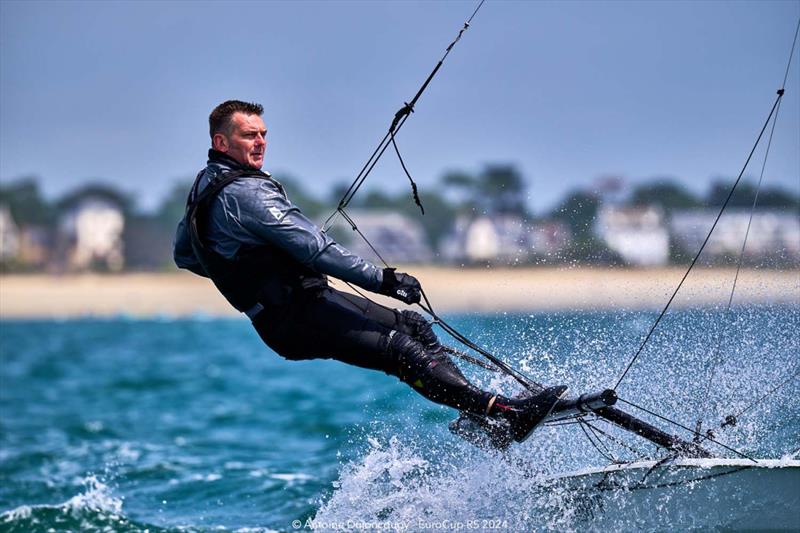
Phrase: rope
(717, 351)
(615, 440)
(729, 422)
(702, 247)
(397, 123)
(717, 355)
(607, 454)
(355, 228)
(521, 378)
(775, 106)
(413, 185)
(692, 431)
(465, 356)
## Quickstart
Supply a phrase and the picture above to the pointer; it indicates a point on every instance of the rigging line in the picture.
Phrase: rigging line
(569, 421)
(702, 246)
(355, 228)
(519, 376)
(615, 440)
(753, 404)
(448, 349)
(752, 210)
(410, 179)
(607, 455)
(474, 360)
(718, 355)
(678, 424)
(397, 123)
(791, 54)
(351, 191)
(362, 177)
(770, 393)
(600, 441)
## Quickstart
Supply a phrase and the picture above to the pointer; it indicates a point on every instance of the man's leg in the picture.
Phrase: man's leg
(357, 331)
(337, 325)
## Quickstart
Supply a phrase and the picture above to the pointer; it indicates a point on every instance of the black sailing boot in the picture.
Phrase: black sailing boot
(524, 414)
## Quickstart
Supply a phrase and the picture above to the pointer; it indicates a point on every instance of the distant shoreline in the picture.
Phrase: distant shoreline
(180, 294)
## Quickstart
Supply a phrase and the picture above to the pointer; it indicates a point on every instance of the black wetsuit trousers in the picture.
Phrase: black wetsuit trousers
(325, 323)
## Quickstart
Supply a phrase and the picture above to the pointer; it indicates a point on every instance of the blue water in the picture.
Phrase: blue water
(193, 425)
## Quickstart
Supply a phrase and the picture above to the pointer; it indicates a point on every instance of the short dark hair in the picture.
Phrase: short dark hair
(219, 121)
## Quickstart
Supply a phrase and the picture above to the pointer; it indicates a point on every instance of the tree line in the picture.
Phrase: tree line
(497, 189)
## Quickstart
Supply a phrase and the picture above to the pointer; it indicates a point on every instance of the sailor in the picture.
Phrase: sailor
(271, 263)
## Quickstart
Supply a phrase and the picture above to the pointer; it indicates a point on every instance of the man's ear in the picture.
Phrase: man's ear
(220, 143)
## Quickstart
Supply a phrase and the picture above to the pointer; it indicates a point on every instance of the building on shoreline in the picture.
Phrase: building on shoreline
(638, 234)
(773, 233)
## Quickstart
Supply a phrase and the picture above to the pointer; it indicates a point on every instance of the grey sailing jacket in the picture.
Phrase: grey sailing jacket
(252, 211)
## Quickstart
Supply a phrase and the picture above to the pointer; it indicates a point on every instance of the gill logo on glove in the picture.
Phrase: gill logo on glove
(402, 293)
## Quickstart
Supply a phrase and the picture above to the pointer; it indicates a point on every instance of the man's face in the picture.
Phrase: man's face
(247, 141)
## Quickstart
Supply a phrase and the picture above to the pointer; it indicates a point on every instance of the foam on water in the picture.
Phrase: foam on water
(436, 478)
(184, 422)
(94, 508)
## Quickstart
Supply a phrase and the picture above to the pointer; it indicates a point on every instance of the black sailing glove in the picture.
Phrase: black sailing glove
(404, 287)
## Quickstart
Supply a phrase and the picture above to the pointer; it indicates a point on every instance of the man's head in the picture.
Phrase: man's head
(237, 130)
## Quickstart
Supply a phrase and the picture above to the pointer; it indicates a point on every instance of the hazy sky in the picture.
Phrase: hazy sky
(567, 91)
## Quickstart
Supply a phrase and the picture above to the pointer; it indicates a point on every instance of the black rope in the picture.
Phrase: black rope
(731, 419)
(718, 348)
(678, 424)
(521, 378)
(617, 441)
(717, 352)
(775, 106)
(410, 179)
(570, 420)
(397, 123)
(702, 247)
(607, 454)
(474, 360)
(355, 228)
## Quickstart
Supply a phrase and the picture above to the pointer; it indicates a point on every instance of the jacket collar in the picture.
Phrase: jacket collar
(220, 159)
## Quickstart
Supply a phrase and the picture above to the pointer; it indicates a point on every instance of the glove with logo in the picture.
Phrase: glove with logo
(401, 286)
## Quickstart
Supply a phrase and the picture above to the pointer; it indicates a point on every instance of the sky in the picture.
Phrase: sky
(568, 92)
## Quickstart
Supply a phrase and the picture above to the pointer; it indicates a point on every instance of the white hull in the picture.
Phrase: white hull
(685, 494)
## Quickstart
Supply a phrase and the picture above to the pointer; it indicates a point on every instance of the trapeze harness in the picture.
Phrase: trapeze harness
(299, 316)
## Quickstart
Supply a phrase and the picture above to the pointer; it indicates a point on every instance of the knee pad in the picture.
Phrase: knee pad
(420, 329)
(421, 367)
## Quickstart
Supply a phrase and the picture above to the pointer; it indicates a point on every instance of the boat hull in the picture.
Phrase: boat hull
(686, 494)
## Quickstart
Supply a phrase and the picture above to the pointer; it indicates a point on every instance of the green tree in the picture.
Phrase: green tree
(25, 202)
(579, 211)
(97, 189)
(498, 189)
(460, 189)
(502, 189)
(173, 206)
(665, 193)
(779, 198)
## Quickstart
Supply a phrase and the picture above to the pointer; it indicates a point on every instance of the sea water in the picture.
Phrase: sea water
(193, 425)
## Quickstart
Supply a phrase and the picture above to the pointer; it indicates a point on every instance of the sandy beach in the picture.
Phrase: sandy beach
(449, 289)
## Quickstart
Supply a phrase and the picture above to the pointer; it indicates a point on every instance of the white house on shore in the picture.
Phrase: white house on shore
(773, 232)
(93, 233)
(503, 239)
(638, 234)
(488, 239)
(9, 236)
(398, 238)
